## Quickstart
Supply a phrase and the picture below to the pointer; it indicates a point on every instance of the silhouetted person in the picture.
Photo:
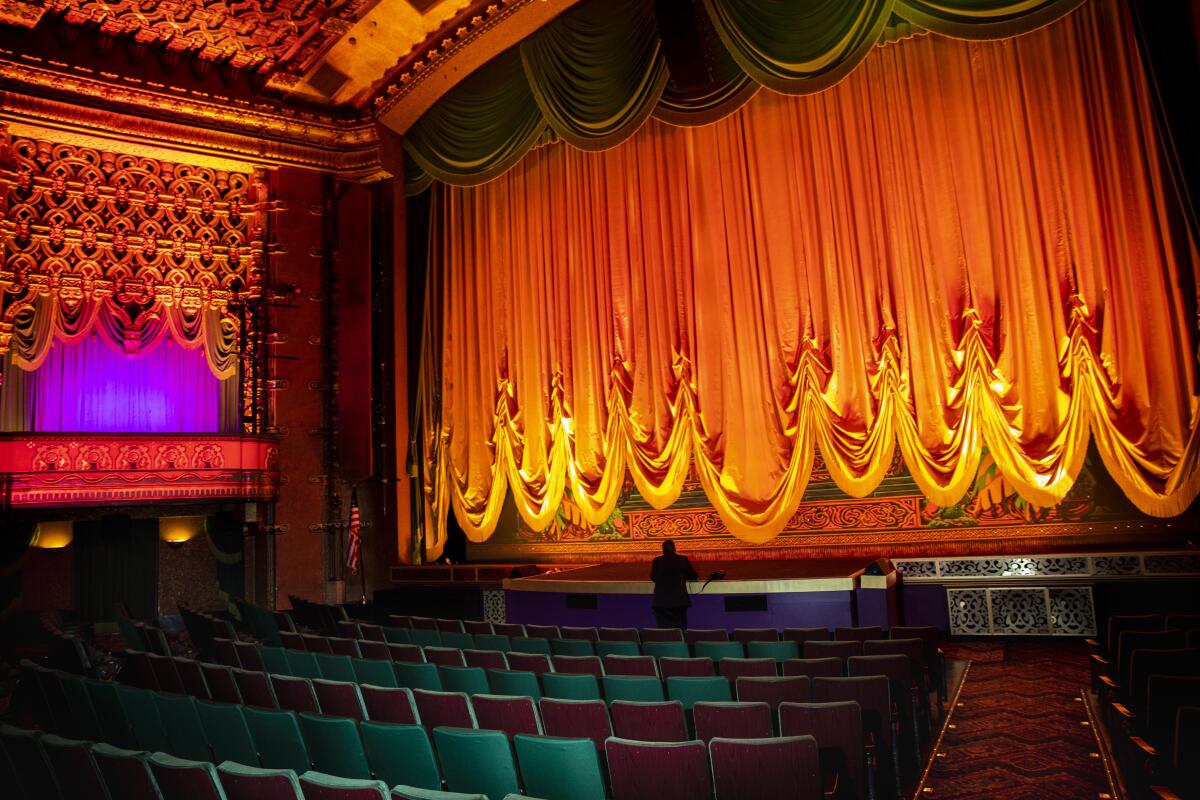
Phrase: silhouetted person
(670, 573)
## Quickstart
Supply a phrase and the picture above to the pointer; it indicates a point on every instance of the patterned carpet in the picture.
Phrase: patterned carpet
(1018, 734)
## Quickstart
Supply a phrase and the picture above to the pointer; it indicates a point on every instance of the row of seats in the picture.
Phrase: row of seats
(1147, 672)
(36, 766)
(400, 753)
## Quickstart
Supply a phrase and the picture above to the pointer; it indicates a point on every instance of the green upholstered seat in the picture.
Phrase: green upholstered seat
(618, 649)
(718, 650)
(182, 724)
(566, 769)
(334, 746)
(335, 668)
(375, 672)
(115, 726)
(514, 682)
(692, 690)
(567, 686)
(417, 676)
(468, 680)
(227, 732)
(400, 754)
(277, 739)
(274, 660)
(637, 688)
(301, 664)
(666, 649)
(476, 761)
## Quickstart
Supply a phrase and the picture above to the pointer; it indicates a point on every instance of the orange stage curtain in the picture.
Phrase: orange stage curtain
(961, 245)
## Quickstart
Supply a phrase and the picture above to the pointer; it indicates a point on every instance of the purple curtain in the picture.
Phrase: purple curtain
(90, 387)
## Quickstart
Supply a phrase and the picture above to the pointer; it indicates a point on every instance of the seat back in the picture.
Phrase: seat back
(476, 761)
(142, 713)
(388, 704)
(226, 652)
(663, 721)
(837, 727)
(449, 625)
(444, 657)
(617, 635)
(336, 667)
(242, 782)
(406, 653)
(509, 629)
(566, 686)
(334, 746)
(670, 649)
(690, 691)
(831, 667)
(459, 640)
(630, 665)
(477, 627)
(660, 635)
(860, 634)
(340, 699)
(528, 644)
(468, 680)
(686, 667)
(586, 634)
(33, 770)
(295, 694)
(115, 726)
(719, 650)
(556, 767)
(126, 772)
(1169, 662)
(656, 770)
(874, 698)
(1165, 695)
(512, 715)
(61, 720)
(255, 657)
(572, 647)
(537, 663)
(374, 671)
(301, 664)
(604, 648)
(227, 733)
(417, 676)
(639, 688)
(341, 646)
(315, 643)
(183, 727)
(1130, 641)
(542, 631)
(400, 754)
(221, 685)
(842, 649)
(319, 786)
(514, 682)
(734, 668)
(393, 635)
(74, 768)
(782, 767)
(773, 691)
(375, 650)
(85, 723)
(576, 719)
(495, 642)
(732, 720)
(182, 779)
(747, 635)
(1129, 622)
(694, 635)
(277, 739)
(193, 678)
(578, 665)
(485, 659)
(448, 709)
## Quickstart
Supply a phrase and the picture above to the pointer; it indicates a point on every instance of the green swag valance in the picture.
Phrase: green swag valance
(595, 74)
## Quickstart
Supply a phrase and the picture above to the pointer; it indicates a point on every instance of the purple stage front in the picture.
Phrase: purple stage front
(753, 594)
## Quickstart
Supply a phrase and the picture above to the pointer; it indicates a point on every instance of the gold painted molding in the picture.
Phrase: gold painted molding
(214, 128)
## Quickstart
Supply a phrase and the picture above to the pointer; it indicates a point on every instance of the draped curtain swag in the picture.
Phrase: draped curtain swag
(595, 74)
(945, 252)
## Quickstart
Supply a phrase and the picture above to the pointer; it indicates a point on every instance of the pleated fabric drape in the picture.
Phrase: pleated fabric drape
(962, 245)
(595, 74)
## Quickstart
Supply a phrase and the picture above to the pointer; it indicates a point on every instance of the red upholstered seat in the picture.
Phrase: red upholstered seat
(445, 656)
(291, 640)
(751, 768)
(802, 635)
(512, 715)
(226, 652)
(449, 625)
(774, 691)
(586, 634)
(317, 786)
(372, 633)
(734, 668)
(660, 635)
(247, 656)
(389, 705)
(126, 773)
(542, 632)
(831, 667)
(536, 663)
(478, 627)
(858, 634)
(874, 698)
(837, 728)
(578, 665)
(344, 647)
(658, 770)
(295, 694)
(840, 649)
(221, 685)
(576, 719)
(618, 634)
(685, 667)
(74, 768)
(630, 665)
(178, 779)
(649, 722)
(509, 629)
(745, 635)
(249, 783)
(255, 688)
(406, 653)
(732, 720)
(165, 673)
(485, 659)
(317, 644)
(340, 699)
(193, 678)
(693, 635)
(371, 648)
(443, 709)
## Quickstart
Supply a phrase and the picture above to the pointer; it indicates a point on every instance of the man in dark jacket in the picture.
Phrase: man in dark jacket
(670, 573)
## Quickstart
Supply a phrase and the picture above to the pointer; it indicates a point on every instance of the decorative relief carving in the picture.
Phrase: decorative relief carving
(1116, 565)
(1172, 564)
(1019, 611)
(1072, 612)
(493, 605)
(916, 569)
(969, 615)
(53, 469)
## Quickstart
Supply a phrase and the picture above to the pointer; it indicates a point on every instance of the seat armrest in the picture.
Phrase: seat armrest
(1110, 683)
(1163, 793)
(1101, 660)
(1147, 748)
(829, 789)
(1122, 710)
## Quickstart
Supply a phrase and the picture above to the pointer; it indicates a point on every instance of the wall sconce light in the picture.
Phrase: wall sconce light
(53, 535)
(176, 531)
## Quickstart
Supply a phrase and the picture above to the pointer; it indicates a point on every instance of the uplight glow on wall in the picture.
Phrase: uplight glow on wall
(176, 531)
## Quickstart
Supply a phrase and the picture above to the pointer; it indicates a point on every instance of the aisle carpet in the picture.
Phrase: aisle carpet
(1018, 734)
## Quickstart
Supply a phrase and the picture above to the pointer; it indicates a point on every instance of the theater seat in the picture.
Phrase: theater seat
(319, 786)
(768, 767)
(126, 772)
(658, 770)
(556, 767)
(241, 782)
(334, 746)
(400, 754)
(180, 779)
(476, 761)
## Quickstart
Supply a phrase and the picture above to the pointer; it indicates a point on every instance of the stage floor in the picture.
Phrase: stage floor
(741, 577)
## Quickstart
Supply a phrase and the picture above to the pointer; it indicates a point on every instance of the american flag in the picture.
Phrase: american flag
(352, 554)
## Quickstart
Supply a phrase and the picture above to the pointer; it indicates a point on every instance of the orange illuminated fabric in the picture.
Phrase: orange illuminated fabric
(961, 246)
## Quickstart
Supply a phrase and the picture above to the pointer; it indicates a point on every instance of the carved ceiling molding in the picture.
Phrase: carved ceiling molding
(421, 78)
(229, 131)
